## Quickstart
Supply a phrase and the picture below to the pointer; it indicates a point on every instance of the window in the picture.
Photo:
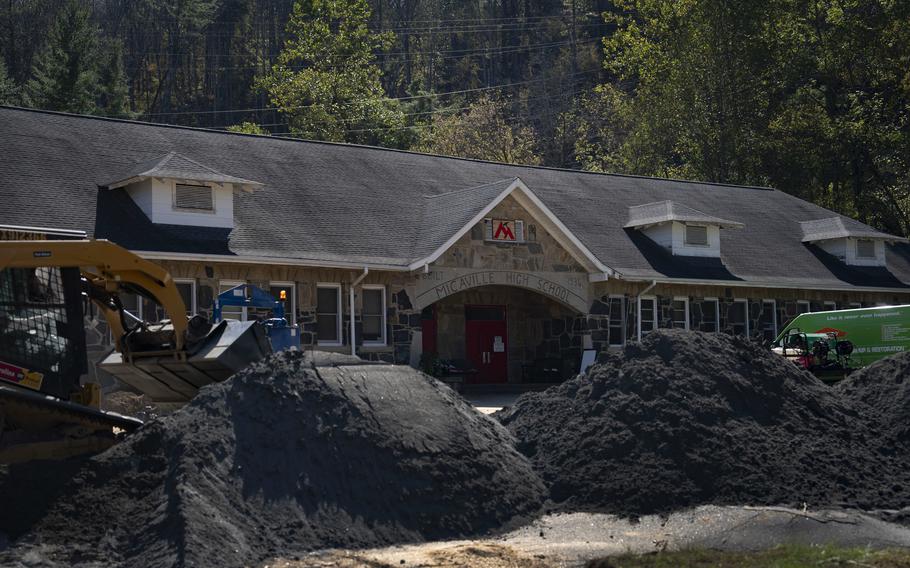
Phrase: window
(232, 312)
(710, 315)
(616, 324)
(328, 314)
(680, 313)
(484, 313)
(803, 307)
(865, 248)
(830, 306)
(373, 315)
(647, 315)
(738, 317)
(855, 305)
(697, 235)
(768, 320)
(290, 300)
(152, 312)
(194, 197)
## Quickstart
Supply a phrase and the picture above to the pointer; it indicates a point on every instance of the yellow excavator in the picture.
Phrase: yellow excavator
(46, 286)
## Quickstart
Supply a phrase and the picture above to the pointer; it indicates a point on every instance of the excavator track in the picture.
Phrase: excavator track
(35, 426)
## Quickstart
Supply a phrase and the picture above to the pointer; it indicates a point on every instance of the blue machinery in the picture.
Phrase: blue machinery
(281, 334)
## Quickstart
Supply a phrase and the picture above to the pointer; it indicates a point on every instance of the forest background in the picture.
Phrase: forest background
(811, 97)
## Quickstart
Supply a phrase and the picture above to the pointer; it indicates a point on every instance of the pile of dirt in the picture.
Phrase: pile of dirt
(882, 392)
(282, 459)
(688, 418)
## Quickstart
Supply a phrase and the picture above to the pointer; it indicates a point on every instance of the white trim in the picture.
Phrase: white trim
(716, 312)
(338, 342)
(806, 303)
(193, 309)
(831, 304)
(156, 255)
(232, 284)
(381, 342)
(153, 255)
(745, 303)
(685, 301)
(293, 307)
(746, 284)
(655, 321)
(622, 323)
(583, 255)
(855, 305)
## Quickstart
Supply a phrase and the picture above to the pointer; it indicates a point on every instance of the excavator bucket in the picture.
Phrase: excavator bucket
(172, 379)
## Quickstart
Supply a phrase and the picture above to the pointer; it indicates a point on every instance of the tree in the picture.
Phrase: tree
(113, 90)
(8, 91)
(326, 82)
(482, 133)
(65, 74)
(248, 128)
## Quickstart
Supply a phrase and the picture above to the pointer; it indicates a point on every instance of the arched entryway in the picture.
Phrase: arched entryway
(505, 334)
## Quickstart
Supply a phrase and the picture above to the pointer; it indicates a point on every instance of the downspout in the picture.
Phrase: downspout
(638, 305)
(353, 284)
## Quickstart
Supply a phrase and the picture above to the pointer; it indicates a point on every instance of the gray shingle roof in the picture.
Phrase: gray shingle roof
(174, 166)
(354, 204)
(666, 211)
(841, 227)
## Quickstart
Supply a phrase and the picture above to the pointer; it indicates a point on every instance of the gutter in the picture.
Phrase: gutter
(786, 285)
(359, 279)
(153, 255)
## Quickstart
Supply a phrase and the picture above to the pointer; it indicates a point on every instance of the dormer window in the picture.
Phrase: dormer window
(680, 229)
(194, 198)
(175, 190)
(697, 235)
(848, 240)
(865, 248)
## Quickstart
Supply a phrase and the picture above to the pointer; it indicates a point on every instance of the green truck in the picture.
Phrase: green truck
(832, 344)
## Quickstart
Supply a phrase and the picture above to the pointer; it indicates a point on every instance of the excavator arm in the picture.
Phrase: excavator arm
(109, 268)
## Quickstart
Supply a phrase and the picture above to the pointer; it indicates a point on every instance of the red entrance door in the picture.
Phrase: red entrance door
(486, 344)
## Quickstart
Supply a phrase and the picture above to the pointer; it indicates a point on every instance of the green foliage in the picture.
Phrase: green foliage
(77, 72)
(8, 90)
(482, 132)
(326, 82)
(65, 73)
(248, 128)
(809, 97)
(790, 556)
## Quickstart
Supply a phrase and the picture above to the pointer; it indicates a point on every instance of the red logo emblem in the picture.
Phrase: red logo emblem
(836, 331)
(502, 231)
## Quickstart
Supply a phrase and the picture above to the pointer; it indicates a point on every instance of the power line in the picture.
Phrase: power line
(390, 99)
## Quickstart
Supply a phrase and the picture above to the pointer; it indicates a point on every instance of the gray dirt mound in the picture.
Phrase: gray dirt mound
(279, 460)
(882, 391)
(687, 418)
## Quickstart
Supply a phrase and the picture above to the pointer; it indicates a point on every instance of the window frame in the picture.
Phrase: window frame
(175, 207)
(685, 300)
(654, 322)
(716, 302)
(774, 322)
(806, 303)
(383, 314)
(830, 304)
(193, 309)
(290, 313)
(745, 304)
(338, 317)
(865, 257)
(689, 243)
(622, 320)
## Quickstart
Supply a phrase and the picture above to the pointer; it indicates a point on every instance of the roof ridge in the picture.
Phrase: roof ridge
(381, 149)
(471, 188)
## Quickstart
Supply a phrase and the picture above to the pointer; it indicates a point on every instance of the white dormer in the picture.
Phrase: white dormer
(852, 242)
(174, 190)
(681, 230)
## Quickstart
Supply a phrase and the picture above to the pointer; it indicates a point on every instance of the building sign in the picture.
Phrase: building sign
(568, 288)
(505, 230)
